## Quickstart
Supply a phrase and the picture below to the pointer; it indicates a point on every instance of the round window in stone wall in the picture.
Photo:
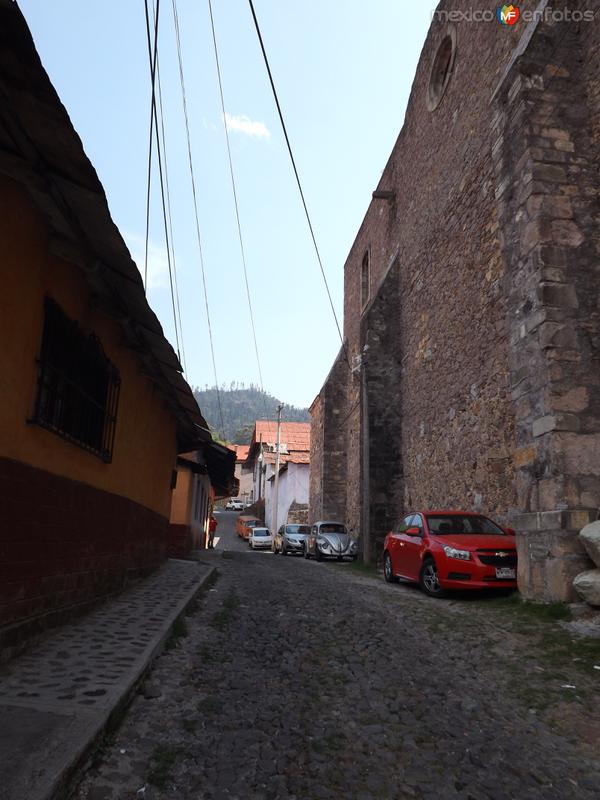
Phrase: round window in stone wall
(441, 71)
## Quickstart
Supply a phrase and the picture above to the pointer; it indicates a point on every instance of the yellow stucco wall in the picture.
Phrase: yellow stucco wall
(145, 443)
(181, 505)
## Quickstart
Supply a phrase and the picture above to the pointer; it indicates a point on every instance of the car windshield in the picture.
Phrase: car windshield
(261, 532)
(252, 523)
(297, 529)
(332, 527)
(441, 524)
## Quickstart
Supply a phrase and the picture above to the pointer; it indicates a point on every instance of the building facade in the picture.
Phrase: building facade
(202, 476)
(93, 405)
(292, 491)
(244, 473)
(294, 449)
(469, 374)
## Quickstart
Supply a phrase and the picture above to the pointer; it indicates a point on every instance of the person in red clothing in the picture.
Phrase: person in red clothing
(212, 527)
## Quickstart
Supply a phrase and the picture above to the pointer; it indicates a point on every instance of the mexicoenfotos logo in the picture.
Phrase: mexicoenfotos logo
(508, 15)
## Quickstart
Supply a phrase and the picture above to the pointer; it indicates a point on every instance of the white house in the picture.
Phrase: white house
(293, 488)
(294, 461)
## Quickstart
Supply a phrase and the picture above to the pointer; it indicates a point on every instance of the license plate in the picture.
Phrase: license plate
(506, 572)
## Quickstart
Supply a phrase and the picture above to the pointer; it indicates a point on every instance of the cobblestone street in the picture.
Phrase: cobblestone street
(303, 680)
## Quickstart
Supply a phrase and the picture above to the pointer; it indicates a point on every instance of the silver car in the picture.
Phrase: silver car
(291, 539)
(330, 539)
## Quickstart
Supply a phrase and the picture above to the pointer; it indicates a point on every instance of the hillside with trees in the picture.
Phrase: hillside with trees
(241, 407)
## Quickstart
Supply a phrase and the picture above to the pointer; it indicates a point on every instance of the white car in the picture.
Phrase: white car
(234, 505)
(260, 538)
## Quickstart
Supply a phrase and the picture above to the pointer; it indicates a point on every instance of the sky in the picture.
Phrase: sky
(343, 70)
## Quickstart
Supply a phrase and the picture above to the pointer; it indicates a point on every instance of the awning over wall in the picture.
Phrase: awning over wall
(216, 461)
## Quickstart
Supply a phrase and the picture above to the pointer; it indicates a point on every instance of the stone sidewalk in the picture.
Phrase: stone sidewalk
(58, 698)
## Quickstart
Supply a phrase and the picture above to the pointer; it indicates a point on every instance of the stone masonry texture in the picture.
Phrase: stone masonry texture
(476, 380)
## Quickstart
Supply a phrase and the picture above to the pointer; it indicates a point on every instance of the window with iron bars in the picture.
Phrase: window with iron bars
(78, 387)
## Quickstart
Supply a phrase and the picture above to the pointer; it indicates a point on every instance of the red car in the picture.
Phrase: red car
(451, 550)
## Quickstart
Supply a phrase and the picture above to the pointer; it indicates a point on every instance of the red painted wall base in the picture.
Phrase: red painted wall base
(64, 546)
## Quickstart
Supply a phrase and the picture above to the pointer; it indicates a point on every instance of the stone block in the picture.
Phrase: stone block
(540, 521)
(590, 537)
(543, 425)
(567, 147)
(580, 452)
(550, 173)
(552, 206)
(555, 133)
(525, 456)
(558, 574)
(558, 294)
(556, 72)
(551, 256)
(553, 334)
(566, 233)
(587, 586)
(535, 232)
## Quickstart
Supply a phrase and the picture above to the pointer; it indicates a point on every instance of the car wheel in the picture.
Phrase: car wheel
(318, 554)
(388, 571)
(429, 579)
(306, 552)
(283, 550)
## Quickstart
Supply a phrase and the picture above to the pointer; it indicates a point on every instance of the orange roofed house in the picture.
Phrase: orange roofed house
(243, 472)
(93, 405)
(294, 469)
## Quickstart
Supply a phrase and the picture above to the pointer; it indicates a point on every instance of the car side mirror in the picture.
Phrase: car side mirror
(413, 531)
(510, 531)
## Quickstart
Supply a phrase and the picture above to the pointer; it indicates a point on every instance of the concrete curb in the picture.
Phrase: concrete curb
(65, 784)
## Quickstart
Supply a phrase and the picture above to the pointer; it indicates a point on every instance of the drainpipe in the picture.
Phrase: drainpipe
(365, 468)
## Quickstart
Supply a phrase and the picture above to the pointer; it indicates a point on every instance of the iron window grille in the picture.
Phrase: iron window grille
(78, 386)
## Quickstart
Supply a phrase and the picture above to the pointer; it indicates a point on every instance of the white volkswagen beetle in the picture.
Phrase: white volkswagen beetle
(330, 539)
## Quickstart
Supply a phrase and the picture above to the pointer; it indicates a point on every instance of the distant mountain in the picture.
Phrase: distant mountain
(241, 407)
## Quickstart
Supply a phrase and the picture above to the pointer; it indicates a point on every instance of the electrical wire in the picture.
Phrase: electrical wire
(153, 56)
(164, 148)
(235, 202)
(289, 147)
(149, 182)
(193, 180)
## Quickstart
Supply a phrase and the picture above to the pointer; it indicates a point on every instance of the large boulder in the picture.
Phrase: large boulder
(587, 586)
(590, 538)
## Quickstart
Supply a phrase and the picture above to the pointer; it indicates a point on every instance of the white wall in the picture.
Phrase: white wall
(293, 487)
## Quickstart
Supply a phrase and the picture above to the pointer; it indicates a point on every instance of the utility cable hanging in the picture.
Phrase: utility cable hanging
(149, 182)
(164, 149)
(289, 147)
(235, 201)
(193, 180)
(153, 56)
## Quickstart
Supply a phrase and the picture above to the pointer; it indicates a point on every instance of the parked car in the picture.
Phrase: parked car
(291, 539)
(245, 523)
(451, 550)
(330, 539)
(234, 505)
(260, 539)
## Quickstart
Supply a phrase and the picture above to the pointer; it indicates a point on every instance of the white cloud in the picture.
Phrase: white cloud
(158, 265)
(244, 124)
